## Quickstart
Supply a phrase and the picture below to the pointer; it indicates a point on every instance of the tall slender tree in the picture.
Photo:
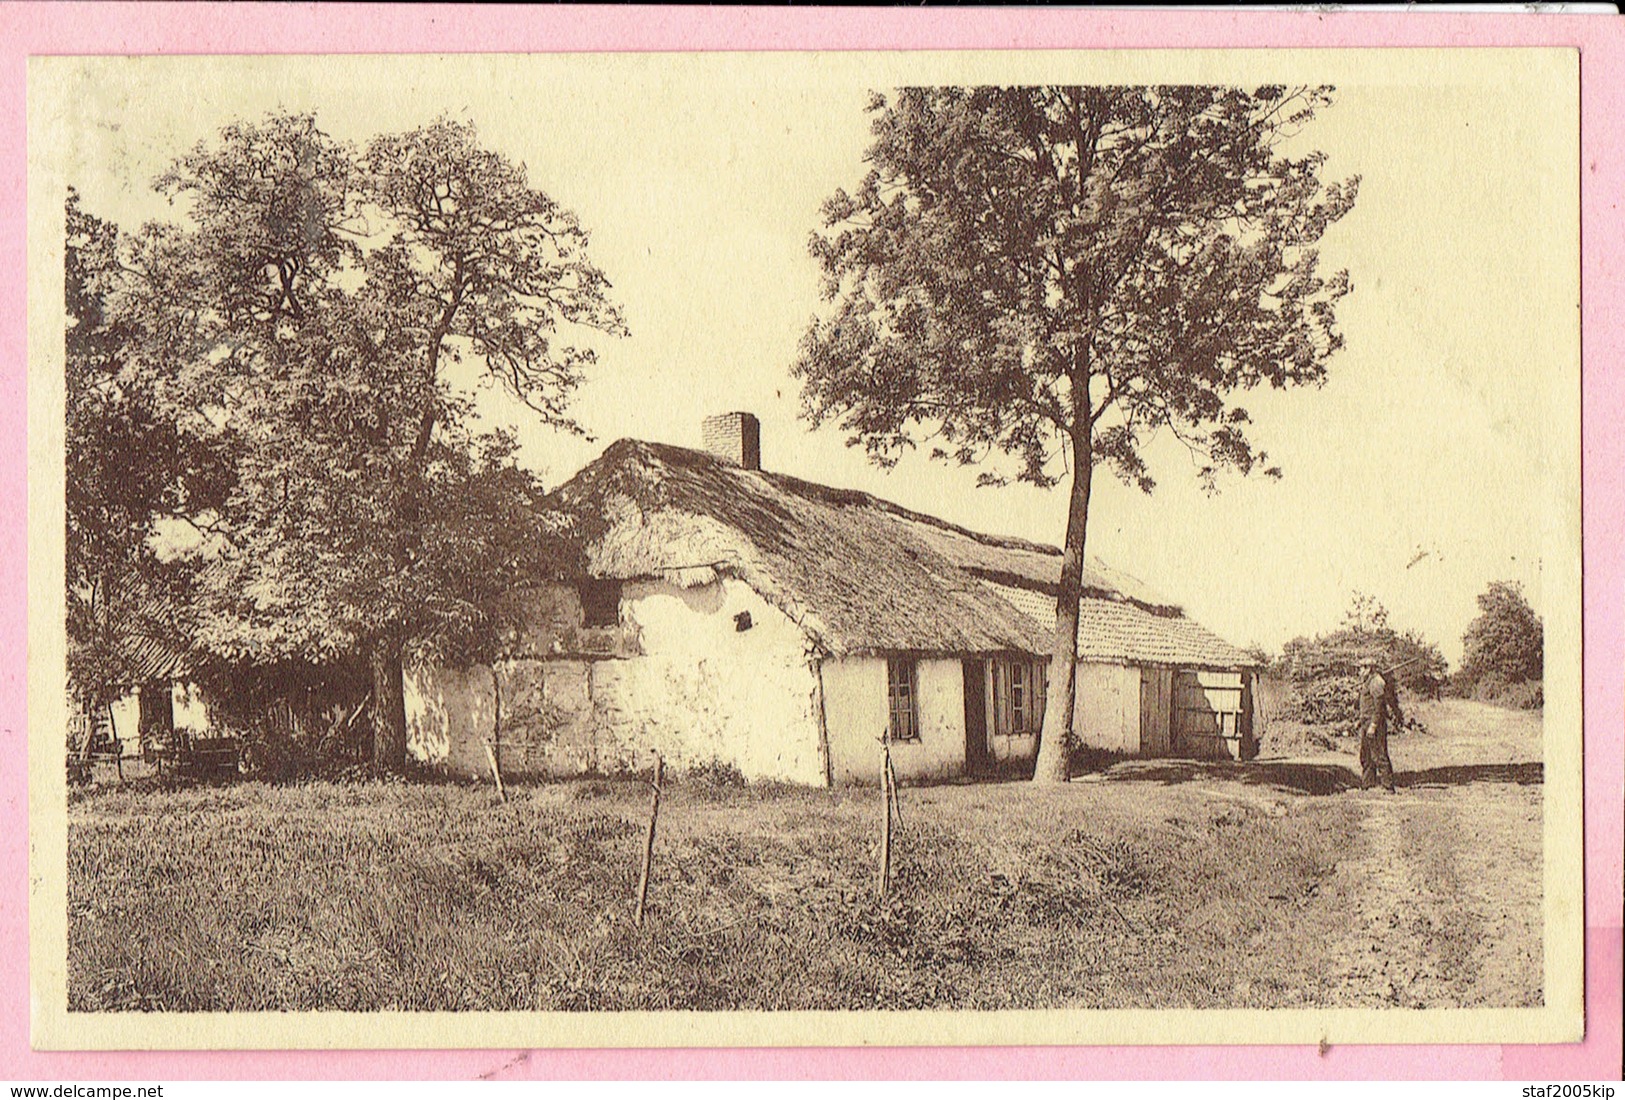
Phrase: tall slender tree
(1060, 273)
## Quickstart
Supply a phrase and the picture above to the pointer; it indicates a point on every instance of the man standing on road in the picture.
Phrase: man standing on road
(1378, 700)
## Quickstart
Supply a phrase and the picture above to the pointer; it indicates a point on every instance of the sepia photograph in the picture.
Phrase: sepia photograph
(803, 548)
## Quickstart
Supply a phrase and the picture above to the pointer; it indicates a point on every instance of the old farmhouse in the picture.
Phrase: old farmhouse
(743, 617)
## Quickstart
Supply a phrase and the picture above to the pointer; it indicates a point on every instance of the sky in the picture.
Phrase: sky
(1438, 456)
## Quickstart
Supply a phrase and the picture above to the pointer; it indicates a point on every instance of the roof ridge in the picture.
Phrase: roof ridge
(832, 493)
(1087, 591)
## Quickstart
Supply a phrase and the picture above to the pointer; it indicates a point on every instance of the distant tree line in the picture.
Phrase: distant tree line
(1501, 660)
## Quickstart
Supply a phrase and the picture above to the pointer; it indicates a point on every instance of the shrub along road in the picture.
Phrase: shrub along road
(1155, 884)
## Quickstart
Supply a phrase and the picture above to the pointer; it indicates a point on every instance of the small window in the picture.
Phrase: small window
(902, 695)
(600, 603)
(1018, 697)
(1021, 696)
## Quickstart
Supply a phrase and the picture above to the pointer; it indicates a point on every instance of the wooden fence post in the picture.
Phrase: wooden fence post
(496, 772)
(649, 840)
(891, 782)
(492, 746)
(885, 812)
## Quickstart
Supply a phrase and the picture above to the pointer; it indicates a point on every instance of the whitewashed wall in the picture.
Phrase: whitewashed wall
(190, 707)
(856, 712)
(127, 722)
(1107, 711)
(700, 691)
(449, 717)
(706, 691)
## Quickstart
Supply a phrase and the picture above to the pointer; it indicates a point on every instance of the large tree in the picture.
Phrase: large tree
(1060, 273)
(306, 316)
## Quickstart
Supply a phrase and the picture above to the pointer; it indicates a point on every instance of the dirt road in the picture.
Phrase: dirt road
(1437, 901)
(1441, 900)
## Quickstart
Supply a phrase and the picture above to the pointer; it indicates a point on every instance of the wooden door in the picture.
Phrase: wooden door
(978, 759)
(157, 715)
(1155, 712)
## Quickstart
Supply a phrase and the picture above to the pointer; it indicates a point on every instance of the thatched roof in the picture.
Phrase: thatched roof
(141, 642)
(860, 574)
(150, 660)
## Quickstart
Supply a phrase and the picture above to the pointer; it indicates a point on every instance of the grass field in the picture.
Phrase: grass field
(1155, 884)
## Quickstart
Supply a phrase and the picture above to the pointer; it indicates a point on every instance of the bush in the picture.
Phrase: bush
(1329, 700)
(1518, 695)
(1324, 671)
(720, 774)
(1365, 636)
(1420, 667)
(1503, 650)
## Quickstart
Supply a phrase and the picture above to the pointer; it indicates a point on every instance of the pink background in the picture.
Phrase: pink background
(174, 28)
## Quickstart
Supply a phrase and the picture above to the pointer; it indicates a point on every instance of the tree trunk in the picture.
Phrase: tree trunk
(1055, 741)
(388, 710)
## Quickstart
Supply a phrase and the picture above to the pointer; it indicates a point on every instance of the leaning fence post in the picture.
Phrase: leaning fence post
(885, 812)
(496, 772)
(496, 732)
(649, 839)
(891, 782)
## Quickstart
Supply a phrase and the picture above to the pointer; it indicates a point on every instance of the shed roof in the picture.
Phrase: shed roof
(860, 574)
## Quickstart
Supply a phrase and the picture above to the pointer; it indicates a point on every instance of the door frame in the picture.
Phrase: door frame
(978, 748)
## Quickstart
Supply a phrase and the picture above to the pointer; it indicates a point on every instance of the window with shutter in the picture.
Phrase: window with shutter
(1018, 697)
(902, 691)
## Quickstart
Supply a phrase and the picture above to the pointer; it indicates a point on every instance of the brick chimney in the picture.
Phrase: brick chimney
(735, 437)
